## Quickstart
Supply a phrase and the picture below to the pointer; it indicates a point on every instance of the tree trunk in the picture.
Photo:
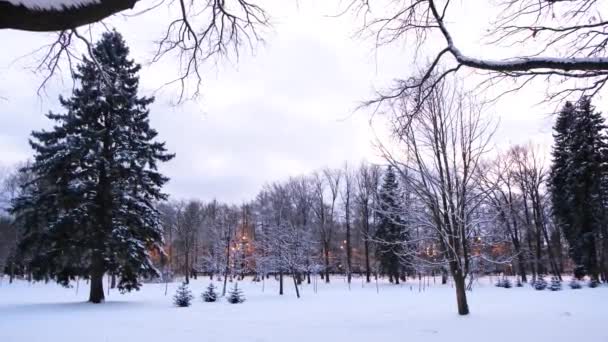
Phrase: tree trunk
(281, 283)
(227, 265)
(187, 267)
(11, 275)
(461, 295)
(113, 282)
(295, 284)
(368, 272)
(326, 262)
(521, 263)
(96, 294)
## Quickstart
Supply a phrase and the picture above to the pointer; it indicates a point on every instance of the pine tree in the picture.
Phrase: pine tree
(90, 208)
(578, 181)
(540, 283)
(391, 235)
(556, 284)
(593, 283)
(235, 295)
(210, 295)
(575, 284)
(183, 296)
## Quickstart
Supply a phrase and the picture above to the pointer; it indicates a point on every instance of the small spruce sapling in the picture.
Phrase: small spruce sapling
(593, 283)
(235, 296)
(506, 283)
(210, 295)
(540, 283)
(183, 296)
(575, 284)
(556, 284)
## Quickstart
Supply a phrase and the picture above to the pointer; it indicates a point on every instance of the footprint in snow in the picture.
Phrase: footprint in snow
(430, 331)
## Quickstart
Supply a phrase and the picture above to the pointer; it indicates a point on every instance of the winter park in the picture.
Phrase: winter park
(269, 170)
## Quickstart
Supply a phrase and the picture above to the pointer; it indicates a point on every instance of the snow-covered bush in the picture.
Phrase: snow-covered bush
(556, 284)
(235, 296)
(183, 296)
(210, 295)
(540, 283)
(575, 284)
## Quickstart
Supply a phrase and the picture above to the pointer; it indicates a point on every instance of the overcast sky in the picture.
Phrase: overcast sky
(285, 110)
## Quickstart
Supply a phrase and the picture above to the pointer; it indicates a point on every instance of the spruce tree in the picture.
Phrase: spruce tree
(183, 296)
(90, 208)
(556, 284)
(575, 284)
(210, 295)
(540, 283)
(577, 181)
(235, 296)
(391, 234)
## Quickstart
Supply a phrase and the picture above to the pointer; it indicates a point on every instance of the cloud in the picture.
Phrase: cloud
(285, 110)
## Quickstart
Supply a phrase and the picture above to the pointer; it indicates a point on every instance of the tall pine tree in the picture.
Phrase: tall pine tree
(577, 179)
(391, 235)
(90, 209)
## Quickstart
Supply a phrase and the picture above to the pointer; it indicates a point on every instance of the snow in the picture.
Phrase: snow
(47, 312)
(52, 4)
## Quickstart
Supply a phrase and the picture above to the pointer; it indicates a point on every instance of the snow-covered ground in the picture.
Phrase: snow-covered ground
(47, 312)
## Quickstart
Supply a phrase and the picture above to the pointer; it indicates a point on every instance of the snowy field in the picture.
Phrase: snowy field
(47, 312)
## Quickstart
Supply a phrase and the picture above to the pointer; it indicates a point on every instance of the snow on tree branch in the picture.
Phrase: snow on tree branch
(569, 39)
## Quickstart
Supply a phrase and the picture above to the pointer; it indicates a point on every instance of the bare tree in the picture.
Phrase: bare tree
(565, 40)
(498, 180)
(531, 177)
(442, 148)
(348, 193)
(12, 181)
(367, 187)
(189, 221)
(199, 31)
(325, 211)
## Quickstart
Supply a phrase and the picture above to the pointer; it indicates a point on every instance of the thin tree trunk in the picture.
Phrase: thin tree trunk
(281, 283)
(348, 253)
(368, 272)
(187, 266)
(326, 262)
(295, 284)
(227, 268)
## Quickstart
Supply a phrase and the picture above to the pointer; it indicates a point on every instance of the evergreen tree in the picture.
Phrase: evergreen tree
(90, 208)
(210, 295)
(183, 296)
(391, 235)
(540, 283)
(235, 295)
(577, 181)
(575, 284)
(593, 283)
(556, 284)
